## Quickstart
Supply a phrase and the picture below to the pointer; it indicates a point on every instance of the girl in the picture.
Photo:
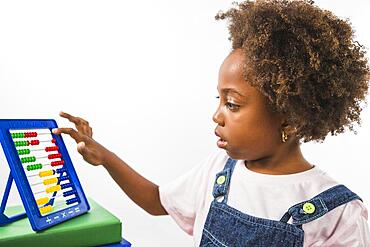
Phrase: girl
(294, 75)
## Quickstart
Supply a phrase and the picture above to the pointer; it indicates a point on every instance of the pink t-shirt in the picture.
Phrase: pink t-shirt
(188, 198)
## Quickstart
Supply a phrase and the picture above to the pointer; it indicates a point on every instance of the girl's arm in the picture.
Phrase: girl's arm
(142, 191)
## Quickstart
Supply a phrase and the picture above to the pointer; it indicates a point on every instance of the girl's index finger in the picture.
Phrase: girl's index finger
(76, 120)
(68, 116)
(69, 131)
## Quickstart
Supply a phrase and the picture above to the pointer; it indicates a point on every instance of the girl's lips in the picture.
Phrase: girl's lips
(221, 143)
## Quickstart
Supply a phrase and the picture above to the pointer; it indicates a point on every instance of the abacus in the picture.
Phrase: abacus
(43, 173)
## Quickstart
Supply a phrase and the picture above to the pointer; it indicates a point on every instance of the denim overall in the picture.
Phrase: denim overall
(227, 227)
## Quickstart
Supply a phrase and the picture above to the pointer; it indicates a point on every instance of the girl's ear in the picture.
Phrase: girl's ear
(288, 129)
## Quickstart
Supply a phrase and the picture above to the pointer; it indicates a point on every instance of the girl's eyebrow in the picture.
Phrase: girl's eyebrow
(227, 91)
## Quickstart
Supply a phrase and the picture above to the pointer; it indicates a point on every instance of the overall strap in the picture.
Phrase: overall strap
(222, 182)
(319, 205)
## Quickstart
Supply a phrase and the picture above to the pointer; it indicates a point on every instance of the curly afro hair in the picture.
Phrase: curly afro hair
(305, 61)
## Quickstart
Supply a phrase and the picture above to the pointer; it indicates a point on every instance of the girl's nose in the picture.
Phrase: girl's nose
(218, 117)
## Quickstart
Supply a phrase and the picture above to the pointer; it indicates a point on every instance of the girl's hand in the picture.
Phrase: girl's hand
(91, 151)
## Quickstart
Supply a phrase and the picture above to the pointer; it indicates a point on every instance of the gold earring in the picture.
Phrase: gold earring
(284, 136)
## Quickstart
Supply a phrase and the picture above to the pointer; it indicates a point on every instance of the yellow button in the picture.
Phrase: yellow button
(221, 179)
(308, 208)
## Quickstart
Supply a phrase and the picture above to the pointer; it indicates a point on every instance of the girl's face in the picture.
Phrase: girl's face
(247, 128)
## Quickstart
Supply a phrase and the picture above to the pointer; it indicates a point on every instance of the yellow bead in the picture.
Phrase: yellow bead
(42, 201)
(46, 209)
(50, 181)
(46, 173)
(53, 188)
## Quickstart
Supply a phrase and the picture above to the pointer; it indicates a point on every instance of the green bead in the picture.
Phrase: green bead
(24, 151)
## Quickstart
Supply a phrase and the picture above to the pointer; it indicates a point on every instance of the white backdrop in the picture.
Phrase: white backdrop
(144, 73)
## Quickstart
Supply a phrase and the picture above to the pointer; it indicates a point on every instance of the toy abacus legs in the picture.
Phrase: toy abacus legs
(43, 173)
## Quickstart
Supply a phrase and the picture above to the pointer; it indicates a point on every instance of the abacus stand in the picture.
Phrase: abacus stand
(4, 220)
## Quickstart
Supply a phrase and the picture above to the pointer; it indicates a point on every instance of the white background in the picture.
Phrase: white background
(144, 73)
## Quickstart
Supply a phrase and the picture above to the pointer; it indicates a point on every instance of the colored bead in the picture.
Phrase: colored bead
(21, 143)
(50, 181)
(73, 200)
(62, 178)
(53, 188)
(69, 192)
(57, 163)
(17, 135)
(46, 209)
(35, 142)
(54, 148)
(46, 173)
(61, 170)
(30, 134)
(54, 156)
(64, 186)
(42, 201)
(34, 167)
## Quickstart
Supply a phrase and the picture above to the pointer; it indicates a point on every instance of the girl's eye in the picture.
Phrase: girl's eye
(232, 106)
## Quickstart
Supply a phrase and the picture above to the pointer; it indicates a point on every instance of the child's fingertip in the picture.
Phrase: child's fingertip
(80, 146)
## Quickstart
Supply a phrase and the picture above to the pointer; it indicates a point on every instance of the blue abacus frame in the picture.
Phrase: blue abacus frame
(38, 222)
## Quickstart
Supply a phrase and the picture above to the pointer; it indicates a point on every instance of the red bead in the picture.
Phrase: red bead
(57, 163)
(34, 142)
(54, 148)
(54, 156)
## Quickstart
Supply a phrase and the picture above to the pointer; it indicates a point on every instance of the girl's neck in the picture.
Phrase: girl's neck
(288, 159)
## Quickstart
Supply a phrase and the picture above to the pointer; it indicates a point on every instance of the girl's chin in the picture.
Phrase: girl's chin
(234, 155)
